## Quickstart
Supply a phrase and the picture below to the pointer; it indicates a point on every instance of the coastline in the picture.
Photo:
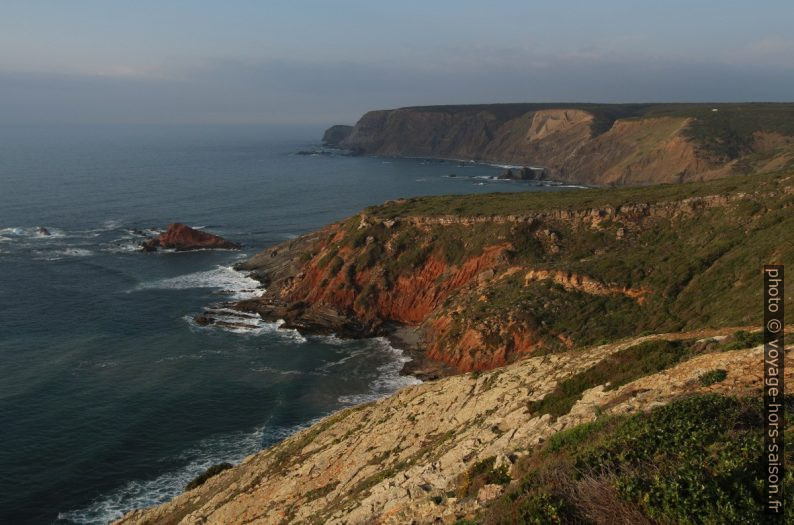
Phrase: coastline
(463, 162)
(409, 340)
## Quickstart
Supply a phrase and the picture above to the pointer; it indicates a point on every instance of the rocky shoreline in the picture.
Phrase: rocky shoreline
(412, 457)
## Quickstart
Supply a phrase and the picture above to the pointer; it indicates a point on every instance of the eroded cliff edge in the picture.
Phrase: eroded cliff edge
(485, 280)
(606, 144)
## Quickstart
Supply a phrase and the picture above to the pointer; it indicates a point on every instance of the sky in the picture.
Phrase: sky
(325, 62)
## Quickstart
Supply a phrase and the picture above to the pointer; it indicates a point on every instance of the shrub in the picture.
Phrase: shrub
(336, 264)
(202, 478)
(743, 339)
(696, 460)
(713, 376)
(618, 369)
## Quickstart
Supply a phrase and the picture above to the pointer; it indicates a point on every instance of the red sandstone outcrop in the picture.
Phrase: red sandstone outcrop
(180, 237)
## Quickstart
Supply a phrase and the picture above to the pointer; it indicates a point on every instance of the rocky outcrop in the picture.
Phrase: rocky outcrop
(334, 135)
(524, 173)
(585, 284)
(180, 237)
(581, 144)
(405, 459)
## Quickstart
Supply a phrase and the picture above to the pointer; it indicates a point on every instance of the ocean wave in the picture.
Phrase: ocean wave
(237, 322)
(111, 224)
(119, 246)
(57, 255)
(278, 371)
(389, 378)
(231, 448)
(237, 285)
(32, 232)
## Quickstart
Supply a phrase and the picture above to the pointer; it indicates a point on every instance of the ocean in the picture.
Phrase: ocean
(111, 398)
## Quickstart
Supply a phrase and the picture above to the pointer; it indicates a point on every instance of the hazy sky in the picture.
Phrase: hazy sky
(323, 62)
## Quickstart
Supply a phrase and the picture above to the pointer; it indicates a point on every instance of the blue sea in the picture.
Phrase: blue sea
(111, 398)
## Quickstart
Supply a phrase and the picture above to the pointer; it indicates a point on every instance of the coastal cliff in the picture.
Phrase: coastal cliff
(485, 280)
(587, 143)
(578, 325)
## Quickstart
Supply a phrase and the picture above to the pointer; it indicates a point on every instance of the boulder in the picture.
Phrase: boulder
(180, 237)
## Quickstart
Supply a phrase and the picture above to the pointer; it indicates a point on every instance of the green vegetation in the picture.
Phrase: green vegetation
(697, 268)
(713, 376)
(674, 258)
(718, 132)
(744, 339)
(480, 474)
(491, 204)
(321, 491)
(618, 369)
(202, 478)
(696, 461)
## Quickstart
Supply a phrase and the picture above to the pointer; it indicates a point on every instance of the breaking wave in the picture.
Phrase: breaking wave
(237, 285)
(232, 448)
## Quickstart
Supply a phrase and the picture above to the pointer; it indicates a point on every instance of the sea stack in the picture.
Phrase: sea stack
(181, 237)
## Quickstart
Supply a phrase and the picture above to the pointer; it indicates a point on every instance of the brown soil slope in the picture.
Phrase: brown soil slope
(581, 145)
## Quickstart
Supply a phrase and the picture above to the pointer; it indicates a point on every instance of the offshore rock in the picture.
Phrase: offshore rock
(180, 237)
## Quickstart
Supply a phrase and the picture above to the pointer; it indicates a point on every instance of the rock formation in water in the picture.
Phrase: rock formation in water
(180, 237)
(524, 173)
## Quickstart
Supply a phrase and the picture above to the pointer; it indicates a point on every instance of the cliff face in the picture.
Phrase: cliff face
(536, 273)
(582, 145)
(334, 135)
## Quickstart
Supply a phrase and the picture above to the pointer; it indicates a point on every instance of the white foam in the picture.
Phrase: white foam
(237, 284)
(242, 323)
(389, 379)
(32, 232)
(231, 448)
(111, 224)
(57, 255)
(123, 247)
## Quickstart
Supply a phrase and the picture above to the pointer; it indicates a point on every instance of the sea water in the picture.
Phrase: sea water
(111, 397)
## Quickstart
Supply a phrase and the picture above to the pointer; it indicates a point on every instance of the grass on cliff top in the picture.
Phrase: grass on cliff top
(696, 268)
(615, 371)
(638, 361)
(497, 204)
(697, 460)
(723, 135)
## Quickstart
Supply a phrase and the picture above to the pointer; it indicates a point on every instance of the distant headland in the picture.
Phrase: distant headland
(597, 144)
